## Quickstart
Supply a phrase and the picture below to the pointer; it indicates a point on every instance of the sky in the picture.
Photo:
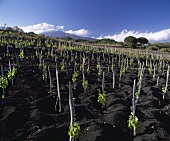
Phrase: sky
(114, 19)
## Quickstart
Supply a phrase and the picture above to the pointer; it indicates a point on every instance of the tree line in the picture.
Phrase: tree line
(133, 42)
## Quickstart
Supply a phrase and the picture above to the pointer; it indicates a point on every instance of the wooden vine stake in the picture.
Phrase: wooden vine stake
(58, 100)
(10, 70)
(134, 106)
(66, 69)
(103, 83)
(140, 82)
(157, 82)
(2, 72)
(103, 80)
(154, 74)
(72, 107)
(83, 69)
(113, 79)
(49, 73)
(166, 86)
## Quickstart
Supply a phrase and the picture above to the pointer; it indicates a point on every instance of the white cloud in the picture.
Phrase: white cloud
(60, 27)
(41, 27)
(151, 36)
(101, 37)
(80, 32)
(45, 27)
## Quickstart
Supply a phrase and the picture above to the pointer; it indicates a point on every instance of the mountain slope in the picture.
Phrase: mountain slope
(61, 34)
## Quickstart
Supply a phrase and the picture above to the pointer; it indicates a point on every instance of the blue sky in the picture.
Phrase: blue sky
(113, 19)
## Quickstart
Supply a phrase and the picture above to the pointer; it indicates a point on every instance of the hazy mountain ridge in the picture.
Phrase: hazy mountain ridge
(61, 34)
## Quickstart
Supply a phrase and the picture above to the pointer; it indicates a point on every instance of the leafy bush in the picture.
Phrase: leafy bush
(74, 130)
(165, 49)
(101, 98)
(153, 48)
(3, 82)
(132, 122)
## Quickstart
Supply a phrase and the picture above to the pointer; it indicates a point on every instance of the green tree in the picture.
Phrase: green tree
(142, 40)
(16, 28)
(131, 41)
(9, 29)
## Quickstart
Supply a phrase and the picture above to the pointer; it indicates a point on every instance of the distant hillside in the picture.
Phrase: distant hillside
(106, 41)
(101, 41)
(67, 38)
(61, 34)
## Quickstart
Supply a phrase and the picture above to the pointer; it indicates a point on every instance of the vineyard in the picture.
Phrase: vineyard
(87, 93)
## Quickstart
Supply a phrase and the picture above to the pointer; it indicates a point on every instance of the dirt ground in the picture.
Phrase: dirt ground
(27, 113)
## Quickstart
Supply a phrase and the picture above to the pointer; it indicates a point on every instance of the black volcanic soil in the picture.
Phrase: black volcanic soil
(27, 112)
